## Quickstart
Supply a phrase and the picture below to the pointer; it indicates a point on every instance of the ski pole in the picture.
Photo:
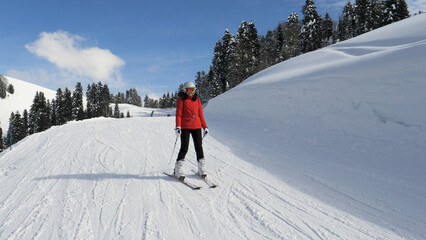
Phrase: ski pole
(171, 158)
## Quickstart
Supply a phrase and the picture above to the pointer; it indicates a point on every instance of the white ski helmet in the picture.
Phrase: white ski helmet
(188, 85)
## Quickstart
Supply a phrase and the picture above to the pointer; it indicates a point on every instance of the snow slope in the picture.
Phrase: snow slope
(78, 182)
(346, 124)
(19, 101)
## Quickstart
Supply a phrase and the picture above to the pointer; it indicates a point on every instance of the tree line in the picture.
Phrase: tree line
(66, 106)
(239, 56)
(5, 87)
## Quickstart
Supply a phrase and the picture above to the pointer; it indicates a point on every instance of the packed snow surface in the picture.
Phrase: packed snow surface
(328, 145)
(103, 179)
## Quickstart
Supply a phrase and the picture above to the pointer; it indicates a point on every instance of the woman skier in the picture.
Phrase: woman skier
(189, 121)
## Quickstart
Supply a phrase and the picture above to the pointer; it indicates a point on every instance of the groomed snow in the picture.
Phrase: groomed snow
(102, 179)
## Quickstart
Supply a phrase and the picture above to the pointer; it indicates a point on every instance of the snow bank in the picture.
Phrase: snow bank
(347, 124)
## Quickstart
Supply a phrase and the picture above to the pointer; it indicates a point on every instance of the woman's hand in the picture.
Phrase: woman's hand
(178, 131)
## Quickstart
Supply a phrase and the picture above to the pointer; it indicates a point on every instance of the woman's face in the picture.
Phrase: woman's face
(190, 91)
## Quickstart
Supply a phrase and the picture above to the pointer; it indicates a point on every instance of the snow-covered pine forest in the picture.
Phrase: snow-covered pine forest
(238, 56)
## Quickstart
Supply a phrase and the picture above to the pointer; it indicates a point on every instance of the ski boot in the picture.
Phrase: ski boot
(178, 172)
(202, 168)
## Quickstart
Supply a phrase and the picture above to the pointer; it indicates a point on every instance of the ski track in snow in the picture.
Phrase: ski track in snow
(102, 179)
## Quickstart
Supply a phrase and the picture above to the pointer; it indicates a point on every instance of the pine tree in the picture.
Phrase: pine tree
(10, 132)
(60, 108)
(38, 117)
(18, 126)
(44, 113)
(224, 60)
(253, 38)
(228, 60)
(291, 37)
(116, 111)
(121, 98)
(11, 89)
(376, 14)
(402, 10)
(17, 129)
(132, 97)
(362, 11)
(77, 103)
(246, 52)
(327, 30)
(98, 99)
(311, 34)
(25, 123)
(390, 14)
(146, 101)
(128, 114)
(104, 100)
(52, 113)
(347, 23)
(215, 85)
(267, 51)
(202, 86)
(88, 112)
(91, 100)
(67, 101)
(217, 62)
(163, 102)
(279, 43)
(3, 87)
(173, 99)
(2, 147)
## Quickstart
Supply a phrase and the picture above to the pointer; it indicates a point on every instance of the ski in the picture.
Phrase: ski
(206, 180)
(191, 185)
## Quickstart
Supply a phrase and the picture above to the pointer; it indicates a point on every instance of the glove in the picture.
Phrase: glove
(178, 131)
(206, 131)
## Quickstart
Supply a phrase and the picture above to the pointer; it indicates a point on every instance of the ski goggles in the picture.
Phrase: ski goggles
(189, 90)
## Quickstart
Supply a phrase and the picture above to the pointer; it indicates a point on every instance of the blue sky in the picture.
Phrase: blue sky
(152, 46)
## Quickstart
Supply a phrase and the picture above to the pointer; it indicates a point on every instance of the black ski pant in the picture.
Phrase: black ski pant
(184, 142)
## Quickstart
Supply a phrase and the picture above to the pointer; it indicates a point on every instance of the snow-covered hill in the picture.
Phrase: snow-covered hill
(19, 101)
(347, 124)
(329, 145)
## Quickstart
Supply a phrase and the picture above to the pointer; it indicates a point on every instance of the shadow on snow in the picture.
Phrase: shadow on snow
(99, 176)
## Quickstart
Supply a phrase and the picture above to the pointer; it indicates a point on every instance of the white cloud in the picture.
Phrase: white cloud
(52, 79)
(64, 50)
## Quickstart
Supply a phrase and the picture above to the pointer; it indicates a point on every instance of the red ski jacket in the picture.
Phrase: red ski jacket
(189, 114)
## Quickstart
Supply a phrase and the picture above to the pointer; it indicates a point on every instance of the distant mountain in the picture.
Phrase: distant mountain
(21, 99)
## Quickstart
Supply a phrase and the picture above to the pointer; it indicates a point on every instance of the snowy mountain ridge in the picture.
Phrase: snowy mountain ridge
(308, 149)
(19, 101)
